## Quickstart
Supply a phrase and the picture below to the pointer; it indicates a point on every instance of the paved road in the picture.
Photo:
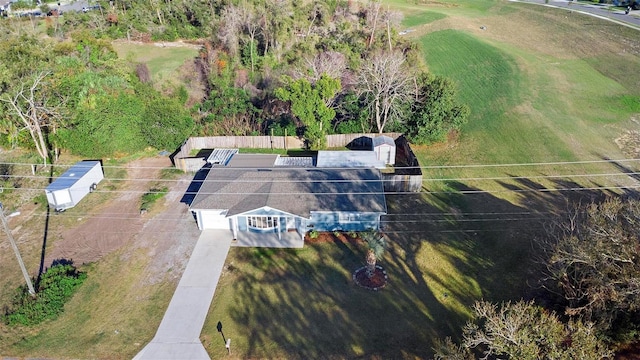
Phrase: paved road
(598, 10)
(178, 336)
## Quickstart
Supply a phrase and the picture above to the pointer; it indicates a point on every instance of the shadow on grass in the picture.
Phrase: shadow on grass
(305, 302)
(447, 250)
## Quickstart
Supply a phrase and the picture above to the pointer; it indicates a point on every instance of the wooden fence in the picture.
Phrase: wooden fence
(235, 142)
(407, 177)
(402, 183)
(185, 160)
(342, 140)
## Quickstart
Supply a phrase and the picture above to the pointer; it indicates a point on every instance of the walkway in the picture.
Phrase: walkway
(178, 336)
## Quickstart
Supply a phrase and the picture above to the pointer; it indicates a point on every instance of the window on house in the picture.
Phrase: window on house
(342, 217)
(262, 222)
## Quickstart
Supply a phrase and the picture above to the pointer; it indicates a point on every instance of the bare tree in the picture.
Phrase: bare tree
(33, 112)
(330, 63)
(385, 85)
(373, 11)
(229, 31)
(392, 19)
(251, 23)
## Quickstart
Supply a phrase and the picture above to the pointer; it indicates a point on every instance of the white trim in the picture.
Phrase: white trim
(266, 208)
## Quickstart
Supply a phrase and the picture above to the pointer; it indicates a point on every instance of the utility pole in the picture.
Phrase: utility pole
(3, 218)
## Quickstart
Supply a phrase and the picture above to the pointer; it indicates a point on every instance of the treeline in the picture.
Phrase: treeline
(266, 67)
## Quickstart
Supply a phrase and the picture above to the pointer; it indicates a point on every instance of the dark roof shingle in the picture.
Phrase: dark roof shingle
(297, 191)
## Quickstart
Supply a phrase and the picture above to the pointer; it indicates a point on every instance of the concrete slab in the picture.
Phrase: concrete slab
(268, 240)
(178, 336)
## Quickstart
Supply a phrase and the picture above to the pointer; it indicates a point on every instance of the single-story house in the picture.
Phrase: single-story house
(253, 193)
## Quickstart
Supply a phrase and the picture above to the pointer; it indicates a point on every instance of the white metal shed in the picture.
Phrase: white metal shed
(80, 179)
(385, 149)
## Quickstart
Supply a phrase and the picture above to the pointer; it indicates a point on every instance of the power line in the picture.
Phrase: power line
(463, 192)
(578, 162)
(488, 178)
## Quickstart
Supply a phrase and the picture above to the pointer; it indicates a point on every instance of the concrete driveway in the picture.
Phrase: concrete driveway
(178, 336)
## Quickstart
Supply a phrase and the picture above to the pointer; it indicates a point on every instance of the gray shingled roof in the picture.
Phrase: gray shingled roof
(293, 190)
(252, 160)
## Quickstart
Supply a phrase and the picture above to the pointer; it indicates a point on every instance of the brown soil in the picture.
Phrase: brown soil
(167, 234)
(376, 282)
(336, 237)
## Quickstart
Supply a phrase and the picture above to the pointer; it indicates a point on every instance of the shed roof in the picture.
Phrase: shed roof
(348, 159)
(297, 191)
(72, 175)
(383, 140)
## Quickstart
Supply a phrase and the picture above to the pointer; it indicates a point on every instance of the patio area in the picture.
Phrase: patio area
(288, 239)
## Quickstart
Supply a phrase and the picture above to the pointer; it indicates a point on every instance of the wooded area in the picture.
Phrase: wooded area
(310, 69)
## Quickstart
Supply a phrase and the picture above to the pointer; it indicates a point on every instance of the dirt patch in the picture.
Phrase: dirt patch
(334, 237)
(376, 282)
(162, 44)
(629, 142)
(167, 235)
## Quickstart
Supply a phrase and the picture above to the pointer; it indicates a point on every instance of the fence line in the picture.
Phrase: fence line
(185, 160)
(342, 140)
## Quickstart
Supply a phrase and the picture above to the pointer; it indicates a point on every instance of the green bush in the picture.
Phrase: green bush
(313, 234)
(56, 286)
(153, 195)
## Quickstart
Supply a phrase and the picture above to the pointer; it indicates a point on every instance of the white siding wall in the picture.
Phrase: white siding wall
(213, 219)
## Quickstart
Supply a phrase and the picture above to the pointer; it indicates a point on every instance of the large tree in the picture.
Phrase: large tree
(591, 260)
(310, 103)
(386, 86)
(435, 112)
(34, 109)
(523, 330)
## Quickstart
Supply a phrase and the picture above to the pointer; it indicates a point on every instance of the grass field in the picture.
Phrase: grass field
(542, 87)
(421, 18)
(162, 61)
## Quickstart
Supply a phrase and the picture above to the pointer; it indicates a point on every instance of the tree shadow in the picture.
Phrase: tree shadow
(45, 234)
(306, 302)
(303, 303)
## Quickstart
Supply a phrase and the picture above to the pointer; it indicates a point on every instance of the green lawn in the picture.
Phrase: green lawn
(302, 304)
(163, 62)
(421, 18)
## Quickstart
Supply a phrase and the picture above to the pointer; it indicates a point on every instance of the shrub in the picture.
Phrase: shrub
(313, 234)
(56, 286)
(153, 195)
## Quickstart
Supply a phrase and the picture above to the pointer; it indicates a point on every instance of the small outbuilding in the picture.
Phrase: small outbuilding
(385, 149)
(67, 190)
